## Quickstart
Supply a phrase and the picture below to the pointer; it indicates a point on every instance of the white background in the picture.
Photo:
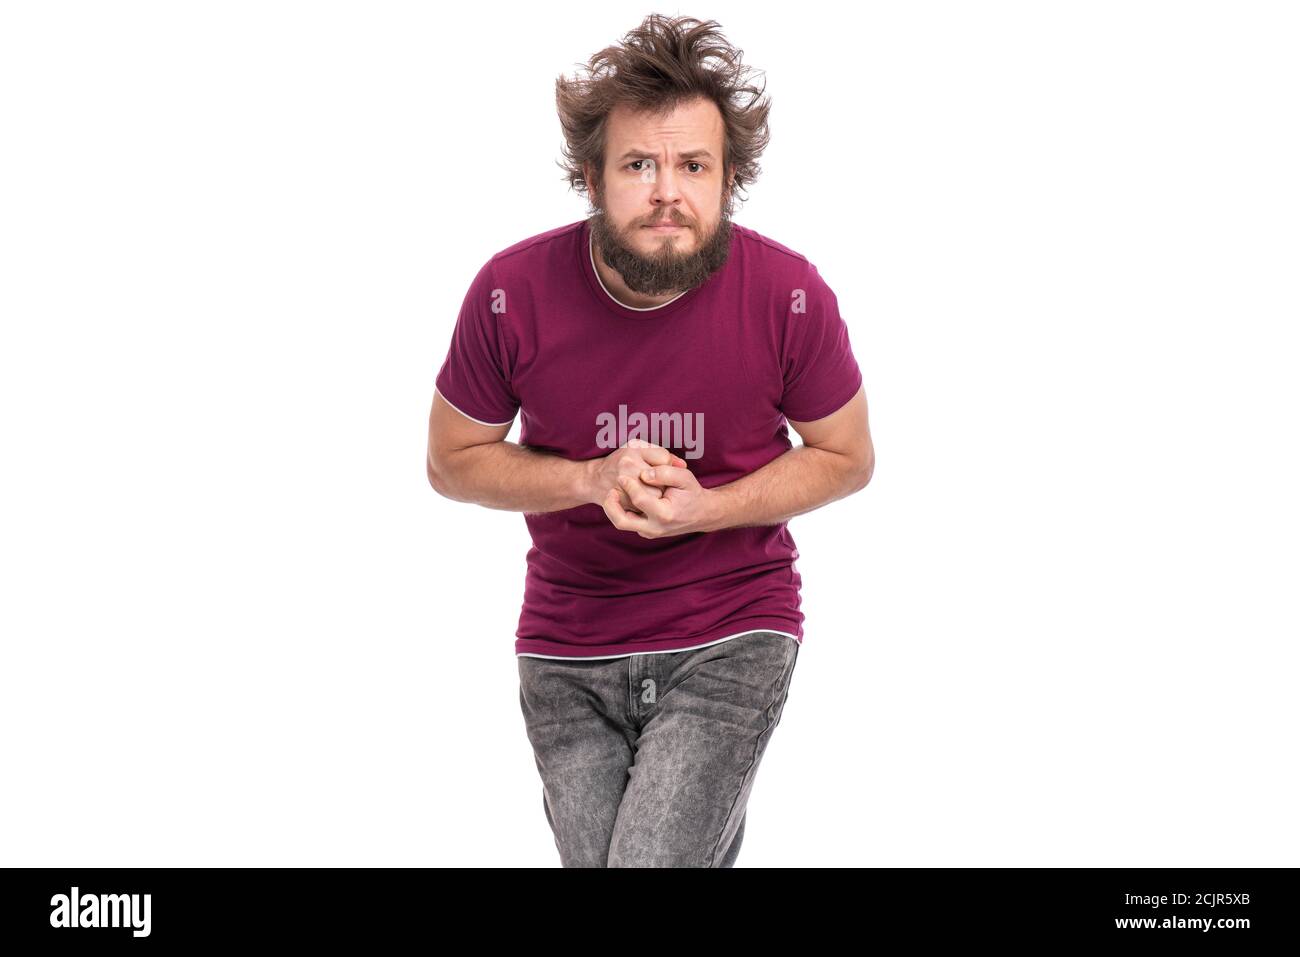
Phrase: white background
(239, 628)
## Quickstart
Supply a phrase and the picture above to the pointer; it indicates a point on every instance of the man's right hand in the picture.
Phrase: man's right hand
(604, 473)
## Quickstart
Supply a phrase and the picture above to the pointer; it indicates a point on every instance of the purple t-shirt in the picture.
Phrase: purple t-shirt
(710, 375)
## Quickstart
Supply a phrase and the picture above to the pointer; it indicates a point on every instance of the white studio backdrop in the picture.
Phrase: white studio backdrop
(239, 628)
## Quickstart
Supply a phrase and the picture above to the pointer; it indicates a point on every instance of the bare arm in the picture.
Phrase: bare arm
(471, 462)
(837, 458)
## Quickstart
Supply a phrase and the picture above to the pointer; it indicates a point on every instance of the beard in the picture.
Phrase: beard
(666, 269)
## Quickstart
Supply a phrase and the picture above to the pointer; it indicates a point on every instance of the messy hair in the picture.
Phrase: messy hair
(662, 63)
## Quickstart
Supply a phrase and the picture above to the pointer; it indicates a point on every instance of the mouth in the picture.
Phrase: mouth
(664, 227)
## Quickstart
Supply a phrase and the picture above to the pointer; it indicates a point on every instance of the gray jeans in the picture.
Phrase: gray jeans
(648, 760)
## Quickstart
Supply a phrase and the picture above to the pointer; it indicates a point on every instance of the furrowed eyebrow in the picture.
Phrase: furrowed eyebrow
(644, 154)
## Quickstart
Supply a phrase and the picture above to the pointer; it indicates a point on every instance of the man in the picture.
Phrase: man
(657, 352)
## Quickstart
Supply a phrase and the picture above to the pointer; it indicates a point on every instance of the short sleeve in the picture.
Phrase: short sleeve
(474, 377)
(819, 370)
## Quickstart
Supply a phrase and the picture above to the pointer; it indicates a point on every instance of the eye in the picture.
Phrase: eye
(693, 163)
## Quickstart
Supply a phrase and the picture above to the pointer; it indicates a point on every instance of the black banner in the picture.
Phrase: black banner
(97, 908)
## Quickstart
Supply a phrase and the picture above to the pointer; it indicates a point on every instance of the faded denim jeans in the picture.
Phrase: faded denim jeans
(648, 760)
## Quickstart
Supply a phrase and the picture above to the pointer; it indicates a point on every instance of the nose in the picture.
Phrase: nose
(665, 187)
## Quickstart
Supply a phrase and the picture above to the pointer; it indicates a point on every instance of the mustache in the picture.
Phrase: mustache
(668, 220)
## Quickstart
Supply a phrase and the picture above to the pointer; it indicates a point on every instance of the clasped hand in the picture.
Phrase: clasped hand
(666, 499)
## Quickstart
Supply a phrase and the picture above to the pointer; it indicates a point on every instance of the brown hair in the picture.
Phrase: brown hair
(662, 63)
